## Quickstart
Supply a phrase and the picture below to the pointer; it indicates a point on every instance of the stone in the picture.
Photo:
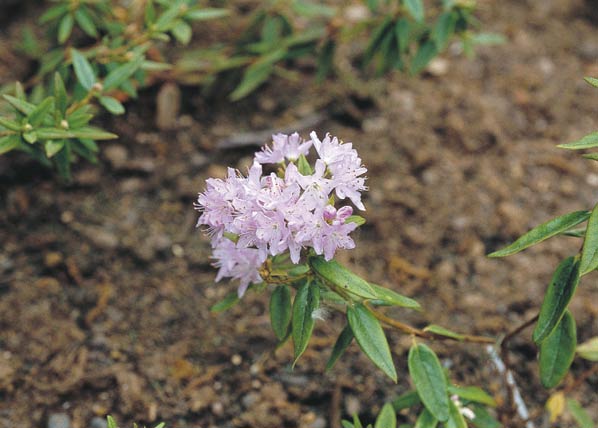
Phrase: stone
(59, 420)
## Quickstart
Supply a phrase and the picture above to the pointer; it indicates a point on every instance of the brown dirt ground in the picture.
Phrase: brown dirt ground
(105, 285)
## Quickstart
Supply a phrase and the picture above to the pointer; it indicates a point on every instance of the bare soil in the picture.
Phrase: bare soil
(105, 284)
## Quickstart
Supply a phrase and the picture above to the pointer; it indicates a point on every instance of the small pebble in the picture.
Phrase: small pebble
(59, 420)
(98, 422)
(236, 359)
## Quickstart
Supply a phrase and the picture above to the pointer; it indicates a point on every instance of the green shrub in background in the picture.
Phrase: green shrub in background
(97, 54)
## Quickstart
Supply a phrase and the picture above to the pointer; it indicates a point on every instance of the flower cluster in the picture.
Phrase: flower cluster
(251, 218)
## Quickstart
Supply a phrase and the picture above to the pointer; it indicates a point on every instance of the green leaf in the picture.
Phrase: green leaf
(394, 298)
(280, 311)
(303, 166)
(53, 13)
(343, 278)
(112, 105)
(52, 147)
(387, 417)
(582, 417)
(441, 331)
(589, 349)
(307, 300)
(591, 156)
(9, 143)
(83, 69)
(83, 150)
(36, 117)
(406, 400)
(444, 29)
(483, 419)
(341, 345)
(592, 81)
(423, 56)
(357, 219)
(30, 137)
(257, 73)
(60, 96)
(560, 291)
(93, 133)
(542, 232)
(575, 233)
(20, 105)
(65, 28)
(313, 9)
(206, 13)
(10, 124)
(557, 352)
(378, 35)
(230, 300)
(426, 420)
(85, 21)
(472, 393)
(111, 422)
(456, 419)
(415, 9)
(182, 32)
(53, 133)
(402, 29)
(589, 255)
(166, 19)
(121, 73)
(429, 380)
(371, 339)
(587, 142)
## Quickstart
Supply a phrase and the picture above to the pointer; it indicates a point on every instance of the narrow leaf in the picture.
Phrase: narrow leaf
(62, 160)
(343, 278)
(588, 142)
(426, 420)
(182, 32)
(582, 417)
(228, 302)
(441, 331)
(206, 13)
(402, 29)
(444, 29)
(560, 291)
(121, 73)
(589, 349)
(555, 405)
(429, 380)
(591, 156)
(341, 345)
(589, 255)
(52, 147)
(85, 21)
(65, 28)
(83, 69)
(387, 417)
(406, 400)
(592, 81)
(280, 311)
(60, 96)
(542, 232)
(557, 352)
(472, 393)
(371, 339)
(10, 124)
(456, 418)
(111, 422)
(483, 419)
(357, 219)
(112, 105)
(36, 117)
(9, 143)
(21, 105)
(415, 9)
(53, 13)
(423, 56)
(307, 300)
(393, 298)
(93, 133)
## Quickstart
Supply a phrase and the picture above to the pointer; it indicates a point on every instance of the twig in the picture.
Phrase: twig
(426, 334)
(260, 137)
